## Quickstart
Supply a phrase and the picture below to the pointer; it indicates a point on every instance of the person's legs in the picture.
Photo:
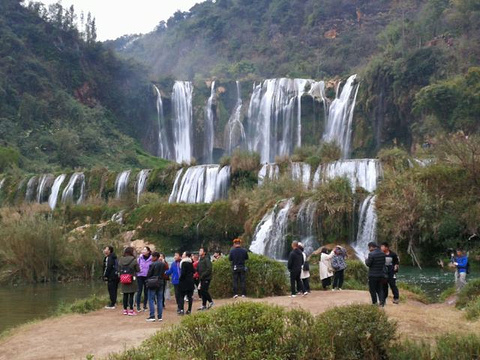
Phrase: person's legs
(292, 283)
(336, 279)
(299, 282)
(341, 277)
(379, 290)
(130, 300)
(372, 283)
(159, 294)
(205, 284)
(236, 278)
(140, 287)
(112, 286)
(151, 306)
(190, 302)
(393, 285)
(177, 296)
(125, 301)
(181, 300)
(462, 280)
(242, 283)
(306, 284)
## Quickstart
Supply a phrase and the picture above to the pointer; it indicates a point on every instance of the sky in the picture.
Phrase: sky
(115, 18)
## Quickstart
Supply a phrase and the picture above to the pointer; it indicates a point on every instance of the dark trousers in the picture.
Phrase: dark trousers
(239, 277)
(204, 285)
(189, 295)
(112, 286)
(375, 286)
(142, 286)
(306, 284)
(295, 278)
(165, 284)
(338, 279)
(326, 282)
(178, 296)
(128, 301)
(393, 285)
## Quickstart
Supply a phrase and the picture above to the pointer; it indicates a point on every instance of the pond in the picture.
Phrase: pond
(22, 304)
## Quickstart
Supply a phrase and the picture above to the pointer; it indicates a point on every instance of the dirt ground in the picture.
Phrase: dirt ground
(106, 331)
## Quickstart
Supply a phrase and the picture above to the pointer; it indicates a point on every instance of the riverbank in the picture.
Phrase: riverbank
(105, 331)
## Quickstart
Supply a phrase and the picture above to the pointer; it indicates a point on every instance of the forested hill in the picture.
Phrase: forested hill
(65, 100)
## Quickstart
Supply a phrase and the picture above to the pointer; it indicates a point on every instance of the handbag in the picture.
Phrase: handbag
(153, 282)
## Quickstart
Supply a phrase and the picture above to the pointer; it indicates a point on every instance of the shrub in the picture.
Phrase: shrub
(83, 306)
(356, 270)
(459, 347)
(244, 161)
(353, 332)
(265, 277)
(8, 157)
(408, 350)
(470, 292)
(472, 311)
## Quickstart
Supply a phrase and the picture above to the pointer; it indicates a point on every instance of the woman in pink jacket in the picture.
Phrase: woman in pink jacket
(144, 261)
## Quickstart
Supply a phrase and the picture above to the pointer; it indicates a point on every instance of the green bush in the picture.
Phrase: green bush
(458, 347)
(356, 270)
(472, 311)
(8, 158)
(83, 306)
(408, 350)
(353, 332)
(469, 293)
(265, 277)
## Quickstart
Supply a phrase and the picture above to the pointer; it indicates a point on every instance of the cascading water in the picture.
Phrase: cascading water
(201, 184)
(141, 184)
(301, 171)
(121, 183)
(306, 221)
(163, 143)
(2, 182)
(234, 131)
(269, 237)
(268, 171)
(52, 199)
(340, 116)
(274, 127)
(361, 172)
(69, 191)
(31, 187)
(209, 127)
(182, 120)
(367, 227)
(44, 183)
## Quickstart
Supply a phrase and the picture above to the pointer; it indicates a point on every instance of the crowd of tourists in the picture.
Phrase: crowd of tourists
(149, 274)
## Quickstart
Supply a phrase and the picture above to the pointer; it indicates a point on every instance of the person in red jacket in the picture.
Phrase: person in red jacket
(196, 275)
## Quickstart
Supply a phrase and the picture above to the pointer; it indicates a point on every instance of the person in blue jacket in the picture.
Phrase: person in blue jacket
(174, 271)
(461, 263)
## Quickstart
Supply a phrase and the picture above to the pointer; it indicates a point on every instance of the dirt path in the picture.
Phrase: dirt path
(106, 331)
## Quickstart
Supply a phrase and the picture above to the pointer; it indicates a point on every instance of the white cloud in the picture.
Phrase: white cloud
(115, 18)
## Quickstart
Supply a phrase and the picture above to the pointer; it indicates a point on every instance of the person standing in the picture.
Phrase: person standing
(128, 266)
(166, 290)
(461, 264)
(196, 277)
(305, 275)
(144, 261)
(155, 284)
(174, 271)
(110, 275)
(325, 267)
(392, 264)
(295, 263)
(376, 274)
(237, 257)
(186, 284)
(205, 275)
(339, 265)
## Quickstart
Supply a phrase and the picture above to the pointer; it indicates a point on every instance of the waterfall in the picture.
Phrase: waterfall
(68, 192)
(361, 172)
(317, 90)
(340, 116)
(141, 183)
(306, 219)
(121, 183)
(209, 127)
(201, 184)
(2, 182)
(274, 127)
(269, 236)
(52, 199)
(182, 120)
(367, 227)
(163, 144)
(301, 172)
(44, 184)
(234, 131)
(31, 186)
(268, 171)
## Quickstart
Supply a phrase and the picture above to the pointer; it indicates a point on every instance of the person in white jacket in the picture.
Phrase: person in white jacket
(305, 274)
(325, 266)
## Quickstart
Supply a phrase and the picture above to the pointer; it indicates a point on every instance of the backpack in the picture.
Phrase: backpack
(126, 274)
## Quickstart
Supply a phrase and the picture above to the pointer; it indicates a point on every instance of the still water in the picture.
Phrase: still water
(21, 304)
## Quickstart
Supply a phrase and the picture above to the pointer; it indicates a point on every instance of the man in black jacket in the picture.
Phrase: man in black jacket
(391, 264)
(376, 273)
(295, 262)
(238, 256)
(110, 275)
(205, 274)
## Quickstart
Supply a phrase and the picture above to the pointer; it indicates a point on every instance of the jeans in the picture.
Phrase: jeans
(239, 277)
(393, 285)
(112, 286)
(155, 294)
(375, 286)
(204, 285)
(128, 300)
(338, 279)
(142, 285)
(295, 278)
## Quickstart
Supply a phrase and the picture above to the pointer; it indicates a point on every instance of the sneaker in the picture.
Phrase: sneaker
(243, 296)
(151, 319)
(110, 307)
(144, 309)
(178, 311)
(132, 313)
(235, 296)
(181, 313)
(305, 293)
(160, 319)
(188, 312)
(202, 308)
(340, 289)
(396, 301)
(210, 305)
(293, 295)
(125, 312)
